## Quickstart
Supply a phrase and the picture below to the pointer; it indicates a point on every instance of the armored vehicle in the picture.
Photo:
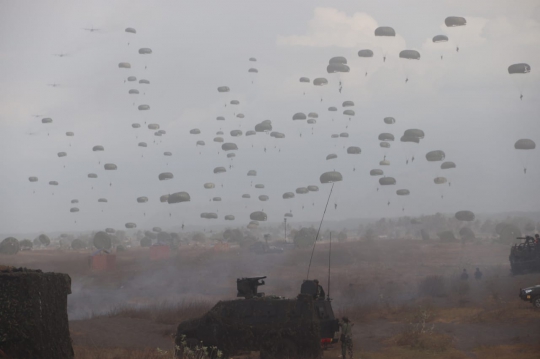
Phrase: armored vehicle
(531, 294)
(525, 257)
(275, 326)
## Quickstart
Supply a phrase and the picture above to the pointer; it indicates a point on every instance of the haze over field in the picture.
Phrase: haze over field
(60, 61)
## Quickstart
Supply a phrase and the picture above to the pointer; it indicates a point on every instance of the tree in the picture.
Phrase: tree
(305, 237)
(10, 246)
(508, 233)
(199, 237)
(447, 236)
(466, 234)
(26, 245)
(369, 235)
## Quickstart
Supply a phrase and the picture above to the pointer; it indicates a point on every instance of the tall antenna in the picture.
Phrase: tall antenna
(318, 231)
(329, 257)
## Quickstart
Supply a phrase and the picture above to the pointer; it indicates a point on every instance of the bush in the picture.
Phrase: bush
(146, 242)
(447, 236)
(26, 245)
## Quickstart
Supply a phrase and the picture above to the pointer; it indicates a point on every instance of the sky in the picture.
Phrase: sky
(466, 103)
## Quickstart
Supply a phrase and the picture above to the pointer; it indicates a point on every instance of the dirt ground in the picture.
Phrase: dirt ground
(377, 284)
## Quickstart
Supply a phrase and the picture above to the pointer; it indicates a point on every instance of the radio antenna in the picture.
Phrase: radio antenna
(329, 259)
(318, 231)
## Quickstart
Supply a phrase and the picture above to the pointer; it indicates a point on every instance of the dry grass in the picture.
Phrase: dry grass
(405, 353)
(164, 312)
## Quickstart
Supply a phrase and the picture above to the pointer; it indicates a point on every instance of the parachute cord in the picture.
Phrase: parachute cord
(319, 230)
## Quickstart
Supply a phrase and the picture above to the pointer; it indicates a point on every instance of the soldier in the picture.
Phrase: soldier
(346, 338)
(320, 291)
(464, 275)
(477, 274)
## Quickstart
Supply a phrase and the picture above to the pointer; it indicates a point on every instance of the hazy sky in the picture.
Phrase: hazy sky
(467, 104)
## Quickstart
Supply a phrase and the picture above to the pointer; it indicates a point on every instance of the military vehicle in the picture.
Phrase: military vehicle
(275, 326)
(531, 294)
(525, 257)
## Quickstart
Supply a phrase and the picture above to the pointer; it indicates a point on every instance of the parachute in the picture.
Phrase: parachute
(389, 120)
(223, 89)
(278, 134)
(165, 176)
(143, 107)
(130, 225)
(124, 65)
(74, 201)
(220, 118)
(218, 139)
(387, 181)
(313, 115)
(252, 173)
(304, 79)
(200, 143)
(331, 177)
(133, 92)
(385, 31)
(519, 69)
(440, 38)
(235, 102)
(447, 165)
(332, 108)
(335, 68)
(384, 163)
(365, 53)
(246, 195)
(299, 116)
(110, 167)
(347, 104)
(253, 70)
(145, 51)
(313, 188)
(135, 125)
(220, 170)
(236, 133)
(216, 199)
(142, 199)
(240, 115)
(348, 113)
(178, 197)
(353, 150)
(153, 126)
(384, 144)
(70, 134)
(46, 120)
(311, 121)
(144, 82)
(344, 134)
(102, 200)
(403, 192)
(409, 55)
(231, 155)
(98, 148)
(33, 179)
(331, 156)
(288, 215)
(302, 190)
(437, 155)
(229, 217)
(258, 216)
(102, 240)
(466, 216)
(53, 183)
(229, 146)
(252, 59)
(386, 137)
(440, 180)
(525, 144)
(131, 30)
(92, 175)
(263, 126)
(453, 21)
(251, 133)
(376, 172)
(321, 81)
(288, 195)
(259, 186)
(167, 154)
(209, 185)
(263, 198)
(132, 78)
(142, 144)
(164, 198)
(195, 131)
(62, 154)
(416, 133)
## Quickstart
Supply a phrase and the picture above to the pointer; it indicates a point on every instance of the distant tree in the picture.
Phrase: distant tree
(44, 240)
(305, 237)
(233, 235)
(26, 245)
(508, 233)
(146, 242)
(466, 234)
(199, 237)
(10, 246)
(424, 234)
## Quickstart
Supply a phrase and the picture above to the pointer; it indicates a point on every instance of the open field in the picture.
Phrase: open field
(388, 288)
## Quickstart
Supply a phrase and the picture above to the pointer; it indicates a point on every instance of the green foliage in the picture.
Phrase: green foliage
(26, 245)
(146, 242)
(10, 246)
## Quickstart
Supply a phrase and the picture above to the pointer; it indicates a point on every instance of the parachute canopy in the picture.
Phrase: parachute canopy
(447, 165)
(409, 55)
(453, 21)
(440, 38)
(387, 181)
(178, 197)
(110, 167)
(385, 31)
(365, 53)
(437, 155)
(331, 177)
(466, 216)
(525, 144)
(165, 176)
(258, 216)
(519, 69)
